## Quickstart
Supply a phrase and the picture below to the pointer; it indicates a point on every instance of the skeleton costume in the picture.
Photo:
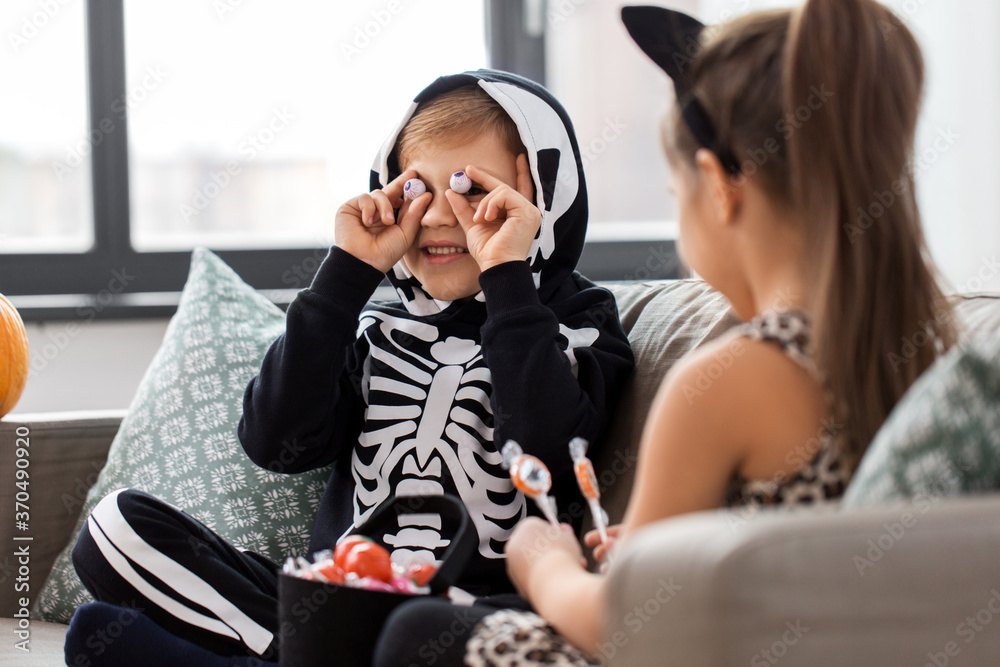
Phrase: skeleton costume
(410, 396)
(418, 395)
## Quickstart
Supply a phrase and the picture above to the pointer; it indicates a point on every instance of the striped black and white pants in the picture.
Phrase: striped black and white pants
(138, 551)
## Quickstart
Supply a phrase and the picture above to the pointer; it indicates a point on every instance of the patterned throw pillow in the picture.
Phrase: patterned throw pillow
(178, 441)
(942, 439)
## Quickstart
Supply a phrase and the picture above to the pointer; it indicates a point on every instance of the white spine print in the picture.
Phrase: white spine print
(428, 437)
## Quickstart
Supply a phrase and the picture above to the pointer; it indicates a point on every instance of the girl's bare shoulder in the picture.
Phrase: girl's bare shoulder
(756, 391)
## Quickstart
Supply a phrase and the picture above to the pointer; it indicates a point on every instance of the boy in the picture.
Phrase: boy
(495, 337)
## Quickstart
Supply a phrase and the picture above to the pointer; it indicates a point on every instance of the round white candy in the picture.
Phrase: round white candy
(460, 182)
(413, 188)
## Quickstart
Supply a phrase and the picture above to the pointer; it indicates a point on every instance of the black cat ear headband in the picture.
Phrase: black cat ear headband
(670, 38)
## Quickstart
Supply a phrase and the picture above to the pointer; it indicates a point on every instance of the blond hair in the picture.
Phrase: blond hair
(456, 117)
(820, 105)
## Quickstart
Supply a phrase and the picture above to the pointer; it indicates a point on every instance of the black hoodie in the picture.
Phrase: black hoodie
(418, 395)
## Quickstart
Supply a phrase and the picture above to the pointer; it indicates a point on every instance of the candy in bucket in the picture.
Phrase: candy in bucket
(358, 562)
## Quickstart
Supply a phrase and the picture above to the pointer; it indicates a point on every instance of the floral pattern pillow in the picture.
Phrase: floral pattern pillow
(943, 437)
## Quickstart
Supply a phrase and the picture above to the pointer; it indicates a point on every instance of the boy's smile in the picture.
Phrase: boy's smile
(444, 252)
(439, 257)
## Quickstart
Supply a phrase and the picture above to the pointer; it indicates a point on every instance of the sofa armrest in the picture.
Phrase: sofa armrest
(66, 452)
(915, 584)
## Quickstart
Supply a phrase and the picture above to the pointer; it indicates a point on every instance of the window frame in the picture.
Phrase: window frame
(113, 280)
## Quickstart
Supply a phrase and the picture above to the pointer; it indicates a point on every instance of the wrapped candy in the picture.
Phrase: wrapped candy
(368, 560)
(421, 573)
(531, 477)
(359, 562)
(460, 182)
(413, 188)
(587, 480)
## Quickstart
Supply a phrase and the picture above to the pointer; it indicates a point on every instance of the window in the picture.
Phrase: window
(45, 202)
(236, 125)
(251, 130)
(617, 118)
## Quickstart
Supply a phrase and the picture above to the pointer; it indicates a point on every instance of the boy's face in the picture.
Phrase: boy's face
(439, 257)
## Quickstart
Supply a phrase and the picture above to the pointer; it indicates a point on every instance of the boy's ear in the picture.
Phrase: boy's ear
(724, 189)
(525, 182)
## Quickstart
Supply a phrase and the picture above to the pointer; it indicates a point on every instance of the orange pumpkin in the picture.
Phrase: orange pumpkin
(13, 356)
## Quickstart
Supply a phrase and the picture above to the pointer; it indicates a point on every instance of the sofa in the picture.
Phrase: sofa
(711, 588)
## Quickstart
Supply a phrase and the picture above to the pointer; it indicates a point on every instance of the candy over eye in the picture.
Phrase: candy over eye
(460, 182)
(413, 188)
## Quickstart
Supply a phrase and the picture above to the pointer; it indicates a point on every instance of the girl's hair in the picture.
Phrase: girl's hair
(820, 104)
(455, 117)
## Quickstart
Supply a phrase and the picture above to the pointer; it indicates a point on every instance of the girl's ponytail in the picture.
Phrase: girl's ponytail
(854, 72)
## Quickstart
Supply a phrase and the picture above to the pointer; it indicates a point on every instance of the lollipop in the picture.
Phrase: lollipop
(587, 480)
(413, 188)
(460, 182)
(531, 477)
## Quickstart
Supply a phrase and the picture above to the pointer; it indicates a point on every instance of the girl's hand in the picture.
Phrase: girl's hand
(366, 226)
(503, 226)
(536, 546)
(593, 539)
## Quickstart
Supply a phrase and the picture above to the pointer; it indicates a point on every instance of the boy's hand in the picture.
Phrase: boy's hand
(366, 227)
(503, 226)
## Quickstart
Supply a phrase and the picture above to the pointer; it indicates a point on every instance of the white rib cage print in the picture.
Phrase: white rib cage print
(425, 430)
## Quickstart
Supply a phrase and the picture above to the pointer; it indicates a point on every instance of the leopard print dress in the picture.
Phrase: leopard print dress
(512, 637)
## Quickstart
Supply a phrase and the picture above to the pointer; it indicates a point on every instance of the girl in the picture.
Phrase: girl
(769, 216)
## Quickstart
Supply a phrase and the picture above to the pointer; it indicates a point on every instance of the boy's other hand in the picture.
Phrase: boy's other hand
(366, 226)
(503, 226)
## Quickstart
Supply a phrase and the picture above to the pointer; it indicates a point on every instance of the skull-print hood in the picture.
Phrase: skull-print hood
(556, 169)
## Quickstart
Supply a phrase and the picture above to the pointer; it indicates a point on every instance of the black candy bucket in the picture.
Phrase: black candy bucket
(327, 624)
